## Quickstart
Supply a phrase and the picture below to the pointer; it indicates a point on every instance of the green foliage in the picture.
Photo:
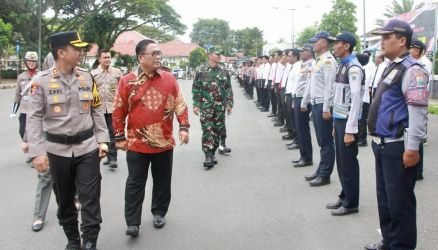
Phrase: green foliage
(340, 18)
(125, 61)
(98, 21)
(183, 64)
(5, 36)
(214, 32)
(197, 57)
(249, 41)
(433, 109)
(398, 7)
(155, 34)
(306, 34)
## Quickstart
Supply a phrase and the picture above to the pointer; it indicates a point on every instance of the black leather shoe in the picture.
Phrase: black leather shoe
(334, 205)
(319, 181)
(362, 143)
(344, 211)
(275, 119)
(295, 161)
(159, 221)
(272, 115)
(302, 163)
(287, 137)
(420, 177)
(284, 130)
(293, 146)
(377, 246)
(37, 225)
(112, 164)
(278, 124)
(310, 177)
(132, 231)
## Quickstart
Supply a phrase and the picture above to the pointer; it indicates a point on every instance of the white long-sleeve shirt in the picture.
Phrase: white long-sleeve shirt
(293, 77)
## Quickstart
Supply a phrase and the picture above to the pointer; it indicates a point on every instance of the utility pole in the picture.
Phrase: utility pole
(364, 27)
(292, 11)
(39, 32)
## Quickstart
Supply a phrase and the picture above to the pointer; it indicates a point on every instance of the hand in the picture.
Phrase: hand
(349, 139)
(24, 147)
(229, 110)
(103, 149)
(41, 163)
(121, 145)
(183, 137)
(326, 115)
(303, 109)
(196, 110)
(13, 116)
(411, 158)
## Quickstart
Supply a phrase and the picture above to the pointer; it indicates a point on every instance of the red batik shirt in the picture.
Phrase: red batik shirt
(149, 103)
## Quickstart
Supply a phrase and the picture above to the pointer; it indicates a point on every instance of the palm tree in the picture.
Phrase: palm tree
(397, 8)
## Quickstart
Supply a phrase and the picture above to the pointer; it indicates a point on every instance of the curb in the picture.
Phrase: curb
(7, 86)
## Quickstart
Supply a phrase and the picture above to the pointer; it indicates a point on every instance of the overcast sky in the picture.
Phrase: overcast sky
(276, 23)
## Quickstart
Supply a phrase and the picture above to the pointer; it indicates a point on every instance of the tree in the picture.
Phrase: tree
(248, 40)
(396, 8)
(197, 57)
(213, 32)
(5, 36)
(99, 21)
(306, 34)
(340, 18)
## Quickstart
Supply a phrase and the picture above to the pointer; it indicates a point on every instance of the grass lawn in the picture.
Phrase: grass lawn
(433, 109)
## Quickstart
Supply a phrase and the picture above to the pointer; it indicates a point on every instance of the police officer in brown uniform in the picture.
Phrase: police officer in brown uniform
(66, 129)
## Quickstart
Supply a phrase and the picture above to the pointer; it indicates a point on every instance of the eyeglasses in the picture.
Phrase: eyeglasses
(154, 53)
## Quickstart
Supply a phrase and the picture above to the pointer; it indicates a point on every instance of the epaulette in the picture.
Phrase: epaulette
(81, 69)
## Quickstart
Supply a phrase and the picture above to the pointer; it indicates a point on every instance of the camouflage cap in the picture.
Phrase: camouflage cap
(217, 50)
(31, 56)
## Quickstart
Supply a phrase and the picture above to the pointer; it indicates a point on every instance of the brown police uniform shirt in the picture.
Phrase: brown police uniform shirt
(107, 81)
(64, 105)
(22, 90)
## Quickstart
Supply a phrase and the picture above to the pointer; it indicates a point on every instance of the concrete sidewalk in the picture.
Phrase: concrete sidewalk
(8, 83)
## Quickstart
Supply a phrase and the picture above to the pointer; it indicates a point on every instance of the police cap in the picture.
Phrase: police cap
(346, 37)
(395, 26)
(63, 39)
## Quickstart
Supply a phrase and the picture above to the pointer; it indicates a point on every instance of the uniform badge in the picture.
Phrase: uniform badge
(392, 74)
(54, 85)
(86, 95)
(85, 105)
(57, 109)
(56, 98)
(34, 88)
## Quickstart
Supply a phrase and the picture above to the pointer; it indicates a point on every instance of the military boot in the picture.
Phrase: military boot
(89, 240)
(72, 233)
(208, 163)
(213, 158)
(223, 147)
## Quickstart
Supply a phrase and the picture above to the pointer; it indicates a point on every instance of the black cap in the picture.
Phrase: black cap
(418, 44)
(63, 39)
(345, 37)
(321, 34)
(363, 59)
(395, 26)
(306, 47)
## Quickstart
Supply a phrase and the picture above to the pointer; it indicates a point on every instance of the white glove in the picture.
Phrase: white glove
(13, 116)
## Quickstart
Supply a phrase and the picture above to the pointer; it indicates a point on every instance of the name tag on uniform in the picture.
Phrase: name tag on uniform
(388, 79)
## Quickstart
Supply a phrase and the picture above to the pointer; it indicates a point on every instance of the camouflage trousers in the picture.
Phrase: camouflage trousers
(213, 127)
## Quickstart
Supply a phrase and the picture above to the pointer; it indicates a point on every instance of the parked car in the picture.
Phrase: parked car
(178, 73)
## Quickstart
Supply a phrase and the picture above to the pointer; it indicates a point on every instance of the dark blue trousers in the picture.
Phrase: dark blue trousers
(347, 165)
(395, 196)
(324, 136)
(289, 116)
(303, 130)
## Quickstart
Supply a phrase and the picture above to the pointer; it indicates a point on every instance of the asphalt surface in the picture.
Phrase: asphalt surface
(253, 199)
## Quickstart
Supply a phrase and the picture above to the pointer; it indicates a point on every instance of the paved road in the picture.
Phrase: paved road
(254, 198)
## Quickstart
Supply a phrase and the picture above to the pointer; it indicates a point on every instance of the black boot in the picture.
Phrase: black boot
(213, 158)
(72, 233)
(89, 240)
(208, 163)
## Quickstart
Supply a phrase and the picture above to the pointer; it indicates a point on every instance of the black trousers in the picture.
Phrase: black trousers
(265, 95)
(258, 91)
(395, 196)
(112, 151)
(290, 116)
(282, 102)
(347, 165)
(79, 174)
(324, 137)
(22, 124)
(138, 167)
(363, 122)
(273, 98)
(302, 120)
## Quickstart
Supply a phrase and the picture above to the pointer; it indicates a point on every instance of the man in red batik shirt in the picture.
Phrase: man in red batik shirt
(149, 98)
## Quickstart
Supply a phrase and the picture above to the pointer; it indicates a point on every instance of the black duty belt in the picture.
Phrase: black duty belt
(70, 139)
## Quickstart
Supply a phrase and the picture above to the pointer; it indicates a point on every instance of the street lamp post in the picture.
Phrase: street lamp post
(292, 11)
(39, 32)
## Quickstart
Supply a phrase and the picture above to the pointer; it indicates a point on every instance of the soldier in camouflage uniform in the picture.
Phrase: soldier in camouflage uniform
(212, 96)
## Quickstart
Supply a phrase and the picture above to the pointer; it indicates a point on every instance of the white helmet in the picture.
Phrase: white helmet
(31, 55)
